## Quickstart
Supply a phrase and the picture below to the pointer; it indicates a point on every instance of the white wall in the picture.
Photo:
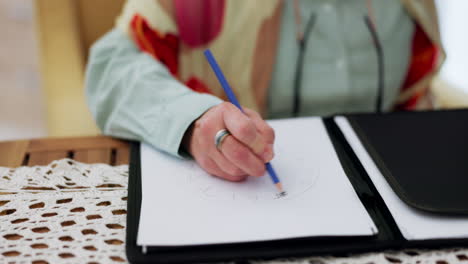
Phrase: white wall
(21, 101)
(454, 29)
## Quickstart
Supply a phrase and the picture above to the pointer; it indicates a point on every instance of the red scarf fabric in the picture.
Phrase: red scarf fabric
(424, 55)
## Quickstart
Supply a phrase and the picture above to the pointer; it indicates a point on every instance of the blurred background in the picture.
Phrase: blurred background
(21, 100)
(43, 51)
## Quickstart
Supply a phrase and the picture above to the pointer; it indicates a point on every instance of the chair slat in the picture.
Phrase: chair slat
(12, 153)
(75, 144)
(44, 158)
(122, 156)
(93, 156)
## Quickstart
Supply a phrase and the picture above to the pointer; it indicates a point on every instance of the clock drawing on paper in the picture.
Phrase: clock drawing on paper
(298, 175)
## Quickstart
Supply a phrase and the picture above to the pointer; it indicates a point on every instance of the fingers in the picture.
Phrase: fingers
(244, 130)
(242, 153)
(266, 132)
(227, 166)
(212, 168)
(242, 157)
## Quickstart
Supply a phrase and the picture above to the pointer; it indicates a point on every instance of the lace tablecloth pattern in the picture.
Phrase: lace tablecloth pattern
(70, 212)
(66, 212)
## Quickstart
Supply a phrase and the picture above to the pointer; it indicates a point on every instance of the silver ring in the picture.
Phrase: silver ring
(220, 136)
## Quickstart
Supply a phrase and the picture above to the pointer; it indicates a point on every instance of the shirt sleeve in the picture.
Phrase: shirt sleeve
(133, 96)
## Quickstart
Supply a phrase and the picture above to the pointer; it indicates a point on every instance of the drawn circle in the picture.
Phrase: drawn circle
(297, 173)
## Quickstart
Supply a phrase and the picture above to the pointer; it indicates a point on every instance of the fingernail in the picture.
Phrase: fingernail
(268, 153)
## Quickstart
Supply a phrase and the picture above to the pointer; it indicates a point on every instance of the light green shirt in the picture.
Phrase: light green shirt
(133, 96)
(340, 65)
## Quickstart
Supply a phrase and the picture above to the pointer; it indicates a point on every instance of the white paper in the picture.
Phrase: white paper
(183, 205)
(414, 224)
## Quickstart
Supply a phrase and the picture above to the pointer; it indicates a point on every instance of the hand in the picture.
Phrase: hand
(242, 153)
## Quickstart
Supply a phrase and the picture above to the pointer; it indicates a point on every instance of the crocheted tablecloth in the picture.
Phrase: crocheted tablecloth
(70, 212)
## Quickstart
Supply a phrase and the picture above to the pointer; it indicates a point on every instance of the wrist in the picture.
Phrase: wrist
(186, 140)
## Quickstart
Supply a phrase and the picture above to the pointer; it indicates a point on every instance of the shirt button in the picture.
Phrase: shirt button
(327, 7)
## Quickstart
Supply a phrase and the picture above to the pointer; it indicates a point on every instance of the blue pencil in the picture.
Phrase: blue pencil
(232, 98)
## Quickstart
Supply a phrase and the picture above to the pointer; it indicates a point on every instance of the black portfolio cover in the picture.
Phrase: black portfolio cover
(383, 136)
(423, 156)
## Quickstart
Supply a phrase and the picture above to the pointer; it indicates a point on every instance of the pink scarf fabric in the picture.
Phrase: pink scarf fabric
(199, 22)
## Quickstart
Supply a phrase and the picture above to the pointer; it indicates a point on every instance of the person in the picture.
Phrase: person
(147, 79)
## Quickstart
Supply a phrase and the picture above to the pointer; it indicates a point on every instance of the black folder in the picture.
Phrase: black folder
(422, 155)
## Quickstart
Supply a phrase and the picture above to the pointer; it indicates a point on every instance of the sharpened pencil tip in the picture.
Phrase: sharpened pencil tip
(279, 186)
(281, 192)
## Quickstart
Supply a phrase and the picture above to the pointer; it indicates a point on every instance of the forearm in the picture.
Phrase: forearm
(133, 96)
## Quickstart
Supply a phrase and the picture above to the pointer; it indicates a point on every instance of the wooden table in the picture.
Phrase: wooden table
(97, 149)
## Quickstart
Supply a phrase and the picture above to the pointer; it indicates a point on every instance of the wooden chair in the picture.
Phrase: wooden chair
(97, 149)
(66, 29)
